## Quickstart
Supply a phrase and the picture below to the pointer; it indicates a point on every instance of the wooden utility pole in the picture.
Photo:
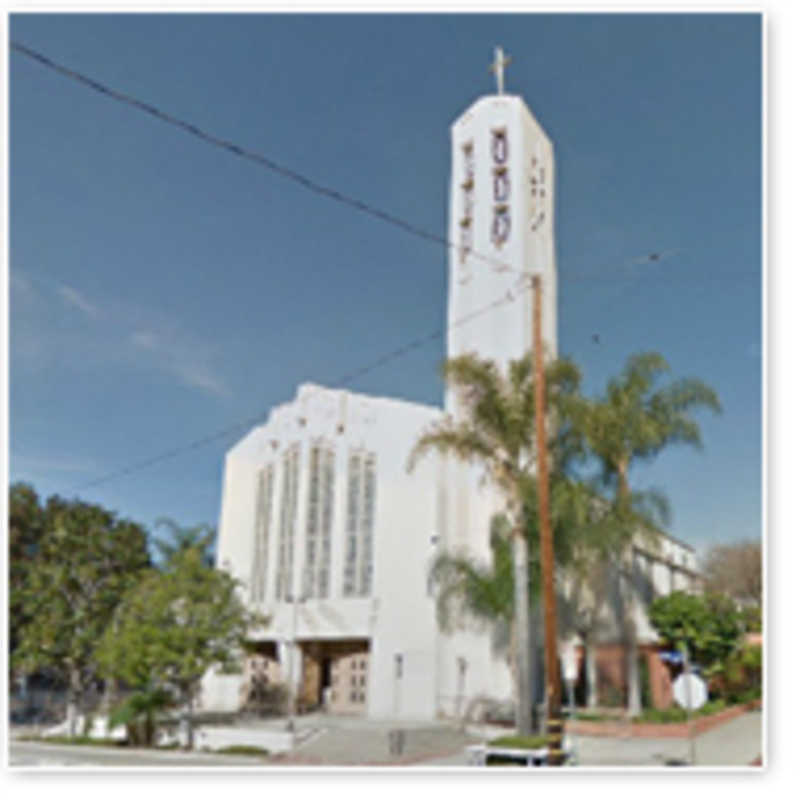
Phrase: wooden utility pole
(553, 704)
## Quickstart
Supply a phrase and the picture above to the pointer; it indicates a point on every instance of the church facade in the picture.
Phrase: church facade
(332, 537)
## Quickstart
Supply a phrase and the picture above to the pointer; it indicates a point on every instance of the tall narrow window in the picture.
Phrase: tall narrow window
(266, 479)
(501, 189)
(312, 521)
(367, 525)
(358, 561)
(499, 146)
(328, 475)
(288, 517)
(318, 521)
(351, 529)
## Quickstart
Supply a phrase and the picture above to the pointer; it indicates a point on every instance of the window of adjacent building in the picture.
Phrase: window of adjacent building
(318, 521)
(288, 517)
(648, 579)
(266, 479)
(358, 557)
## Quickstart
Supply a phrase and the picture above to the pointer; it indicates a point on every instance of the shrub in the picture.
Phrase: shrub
(266, 699)
(609, 696)
(596, 716)
(677, 714)
(140, 713)
(243, 750)
(751, 618)
(521, 742)
(76, 740)
(739, 679)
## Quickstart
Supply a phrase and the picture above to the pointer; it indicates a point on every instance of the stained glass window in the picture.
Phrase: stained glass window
(501, 187)
(499, 147)
(469, 163)
(501, 225)
(467, 196)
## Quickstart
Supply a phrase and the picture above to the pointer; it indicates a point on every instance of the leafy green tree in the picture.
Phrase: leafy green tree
(496, 430)
(632, 423)
(708, 625)
(85, 561)
(25, 529)
(174, 625)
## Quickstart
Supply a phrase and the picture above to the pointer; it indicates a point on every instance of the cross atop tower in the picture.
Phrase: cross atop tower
(501, 61)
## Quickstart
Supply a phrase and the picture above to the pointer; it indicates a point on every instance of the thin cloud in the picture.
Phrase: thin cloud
(72, 297)
(18, 282)
(123, 333)
(200, 377)
(145, 339)
(181, 360)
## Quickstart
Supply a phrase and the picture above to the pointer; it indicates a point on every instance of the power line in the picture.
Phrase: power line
(344, 380)
(251, 155)
(311, 185)
(318, 188)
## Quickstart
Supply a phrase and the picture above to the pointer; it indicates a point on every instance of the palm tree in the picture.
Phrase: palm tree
(179, 539)
(496, 430)
(633, 422)
(466, 587)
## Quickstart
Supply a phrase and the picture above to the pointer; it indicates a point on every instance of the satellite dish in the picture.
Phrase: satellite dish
(690, 692)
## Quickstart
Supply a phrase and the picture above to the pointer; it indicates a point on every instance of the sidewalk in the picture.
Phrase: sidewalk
(734, 744)
(341, 741)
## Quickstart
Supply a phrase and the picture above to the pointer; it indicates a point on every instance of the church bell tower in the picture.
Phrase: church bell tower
(501, 227)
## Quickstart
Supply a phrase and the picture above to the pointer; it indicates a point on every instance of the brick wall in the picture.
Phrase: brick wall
(660, 679)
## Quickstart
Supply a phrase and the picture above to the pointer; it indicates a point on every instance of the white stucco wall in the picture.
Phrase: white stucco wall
(506, 332)
(397, 617)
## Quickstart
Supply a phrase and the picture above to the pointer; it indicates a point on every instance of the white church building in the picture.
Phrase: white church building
(332, 537)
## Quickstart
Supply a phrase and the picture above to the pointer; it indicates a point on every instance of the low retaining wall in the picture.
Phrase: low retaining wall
(624, 728)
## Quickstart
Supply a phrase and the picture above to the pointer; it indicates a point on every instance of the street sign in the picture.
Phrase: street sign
(689, 691)
(671, 656)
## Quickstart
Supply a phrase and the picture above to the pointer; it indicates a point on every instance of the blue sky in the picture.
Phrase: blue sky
(161, 289)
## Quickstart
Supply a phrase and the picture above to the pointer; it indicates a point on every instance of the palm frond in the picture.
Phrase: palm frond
(451, 438)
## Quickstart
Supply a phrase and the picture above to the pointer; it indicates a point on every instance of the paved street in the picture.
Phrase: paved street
(330, 741)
